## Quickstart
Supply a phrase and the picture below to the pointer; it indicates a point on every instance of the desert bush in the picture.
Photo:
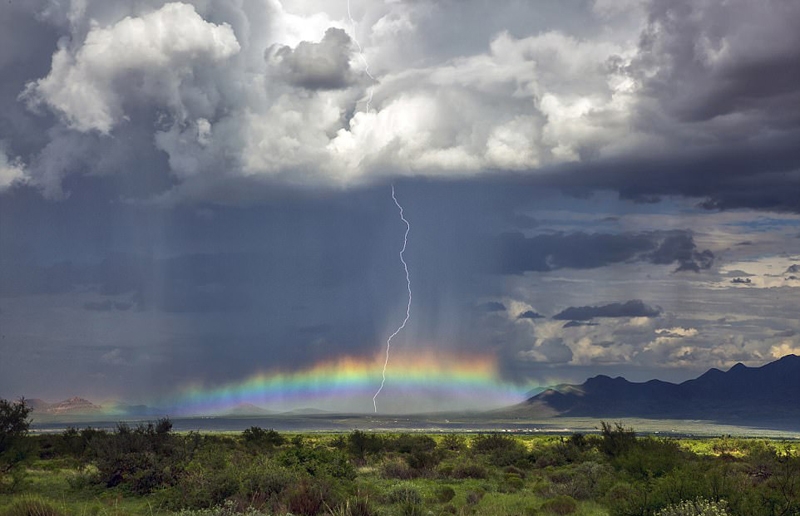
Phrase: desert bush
(422, 461)
(584, 481)
(649, 458)
(14, 447)
(623, 499)
(317, 461)
(14, 422)
(511, 483)
(264, 479)
(453, 442)
(444, 494)
(475, 497)
(698, 507)
(359, 444)
(407, 443)
(259, 437)
(208, 481)
(311, 497)
(357, 506)
(469, 470)
(547, 457)
(229, 508)
(404, 494)
(83, 478)
(515, 470)
(616, 440)
(500, 450)
(398, 469)
(142, 458)
(560, 505)
(31, 507)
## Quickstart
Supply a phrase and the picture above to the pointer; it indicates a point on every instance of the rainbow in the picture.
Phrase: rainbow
(415, 382)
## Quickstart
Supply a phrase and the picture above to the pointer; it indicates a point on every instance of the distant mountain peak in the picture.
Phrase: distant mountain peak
(73, 405)
(739, 394)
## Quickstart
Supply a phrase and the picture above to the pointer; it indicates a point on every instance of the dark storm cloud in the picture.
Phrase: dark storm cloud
(492, 306)
(578, 324)
(730, 70)
(592, 250)
(721, 109)
(633, 308)
(530, 314)
(681, 248)
(316, 66)
(708, 63)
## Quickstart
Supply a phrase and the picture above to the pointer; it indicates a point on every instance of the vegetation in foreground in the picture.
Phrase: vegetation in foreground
(148, 469)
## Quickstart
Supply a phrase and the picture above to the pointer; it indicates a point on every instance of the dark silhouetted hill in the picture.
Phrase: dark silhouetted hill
(742, 394)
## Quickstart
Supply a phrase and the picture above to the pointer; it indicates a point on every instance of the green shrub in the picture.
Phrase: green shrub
(407, 443)
(357, 506)
(143, 458)
(211, 478)
(359, 444)
(228, 508)
(31, 507)
(423, 461)
(616, 440)
(311, 497)
(14, 446)
(649, 458)
(408, 499)
(265, 479)
(260, 437)
(474, 497)
(398, 469)
(470, 470)
(511, 483)
(500, 450)
(517, 471)
(317, 461)
(453, 442)
(698, 507)
(560, 505)
(445, 494)
(404, 495)
(622, 499)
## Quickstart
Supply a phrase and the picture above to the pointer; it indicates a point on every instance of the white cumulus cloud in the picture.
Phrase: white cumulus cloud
(136, 60)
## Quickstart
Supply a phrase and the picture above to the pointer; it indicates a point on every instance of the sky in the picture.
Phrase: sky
(196, 209)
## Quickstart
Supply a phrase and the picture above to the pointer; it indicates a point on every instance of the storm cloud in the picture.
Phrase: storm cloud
(633, 308)
(316, 66)
(217, 106)
(213, 201)
(581, 250)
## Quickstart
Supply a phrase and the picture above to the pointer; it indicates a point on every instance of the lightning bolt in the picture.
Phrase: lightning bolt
(371, 89)
(408, 306)
(400, 328)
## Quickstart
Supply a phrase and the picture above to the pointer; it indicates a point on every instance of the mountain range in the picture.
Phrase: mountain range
(74, 405)
(770, 392)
